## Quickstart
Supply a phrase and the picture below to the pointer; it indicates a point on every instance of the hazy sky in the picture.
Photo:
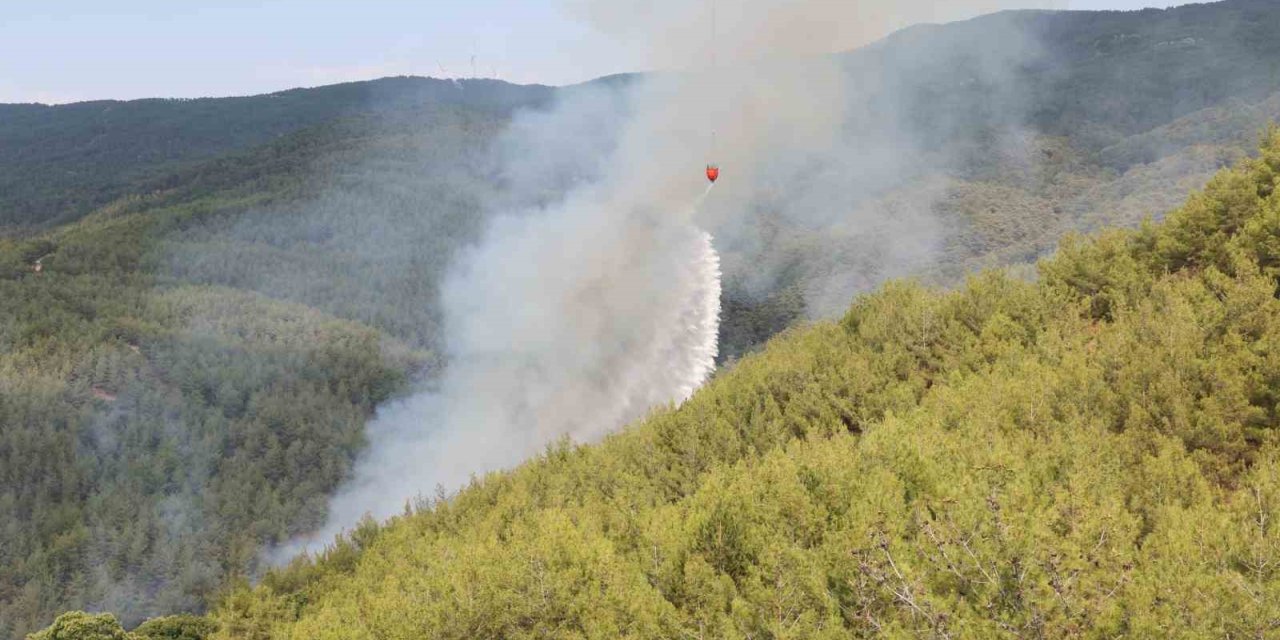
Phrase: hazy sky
(68, 50)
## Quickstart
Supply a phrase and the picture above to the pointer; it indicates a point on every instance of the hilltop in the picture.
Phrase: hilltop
(58, 163)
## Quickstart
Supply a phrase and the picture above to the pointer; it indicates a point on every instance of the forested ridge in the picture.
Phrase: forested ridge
(59, 162)
(203, 302)
(1092, 453)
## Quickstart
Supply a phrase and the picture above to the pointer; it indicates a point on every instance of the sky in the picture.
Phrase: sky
(58, 51)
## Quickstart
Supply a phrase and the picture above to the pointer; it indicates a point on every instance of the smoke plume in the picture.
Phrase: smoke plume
(593, 295)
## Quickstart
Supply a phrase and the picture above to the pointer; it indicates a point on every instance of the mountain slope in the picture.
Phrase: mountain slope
(153, 348)
(996, 135)
(59, 162)
(139, 408)
(1090, 454)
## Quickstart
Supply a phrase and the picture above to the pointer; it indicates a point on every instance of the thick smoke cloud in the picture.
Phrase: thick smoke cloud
(593, 296)
(588, 302)
(676, 34)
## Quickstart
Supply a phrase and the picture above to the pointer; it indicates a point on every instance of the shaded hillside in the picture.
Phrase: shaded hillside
(1090, 454)
(59, 162)
(996, 135)
(1092, 76)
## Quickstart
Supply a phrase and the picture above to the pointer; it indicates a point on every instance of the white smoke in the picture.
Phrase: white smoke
(566, 320)
(596, 296)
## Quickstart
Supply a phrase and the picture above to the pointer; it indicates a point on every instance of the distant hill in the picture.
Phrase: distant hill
(1091, 76)
(205, 300)
(57, 163)
(1014, 128)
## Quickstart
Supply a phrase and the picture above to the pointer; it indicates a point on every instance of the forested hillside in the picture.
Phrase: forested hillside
(203, 302)
(59, 162)
(1090, 454)
(164, 414)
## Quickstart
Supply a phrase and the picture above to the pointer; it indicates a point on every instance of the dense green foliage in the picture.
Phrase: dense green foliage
(180, 627)
(1090, 454)
(78, 625)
